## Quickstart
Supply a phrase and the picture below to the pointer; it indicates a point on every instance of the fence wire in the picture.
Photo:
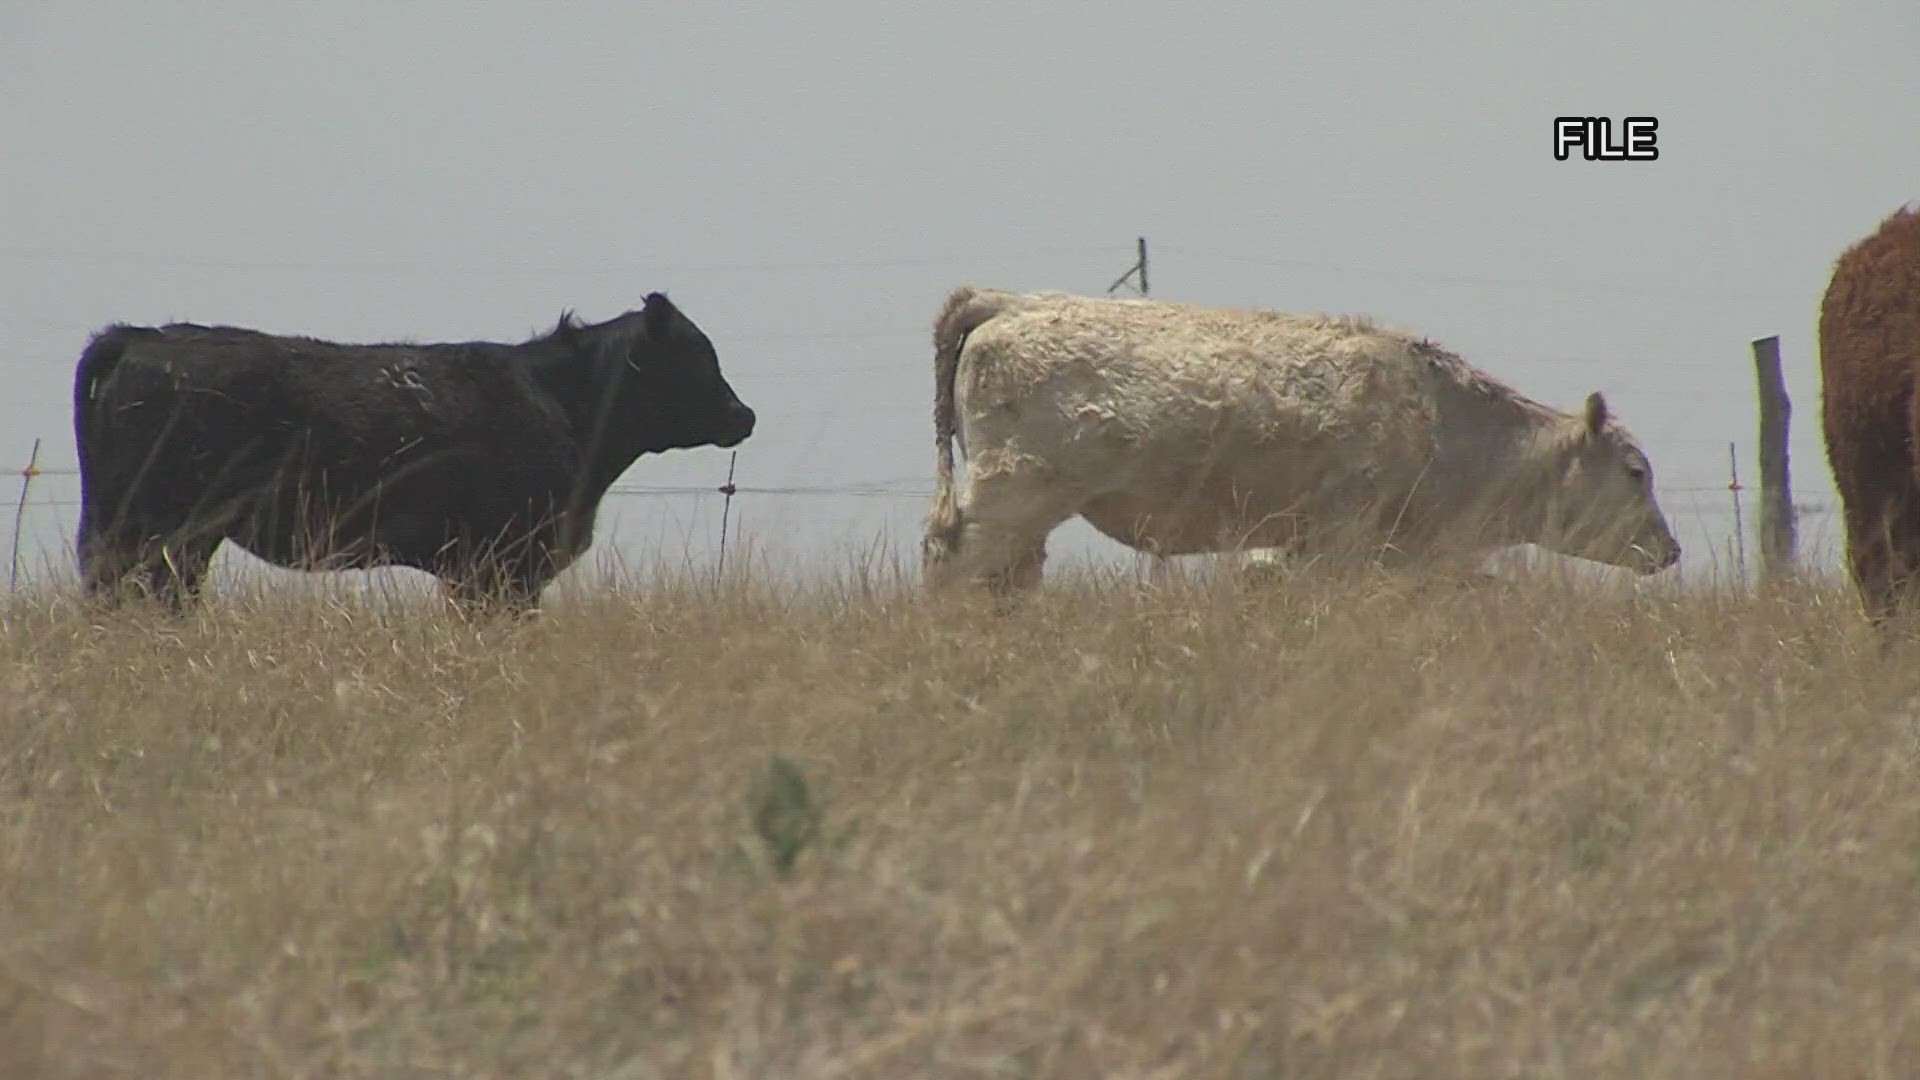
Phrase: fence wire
(1712, 529)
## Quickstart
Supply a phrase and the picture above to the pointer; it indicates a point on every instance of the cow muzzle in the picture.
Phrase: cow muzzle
(737, 426)
(1656, 557)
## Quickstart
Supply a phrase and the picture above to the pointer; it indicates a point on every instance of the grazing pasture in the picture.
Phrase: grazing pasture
(1343, 823)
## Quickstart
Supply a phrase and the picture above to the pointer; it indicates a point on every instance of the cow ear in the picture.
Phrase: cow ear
(1596, 413)
(657, 312)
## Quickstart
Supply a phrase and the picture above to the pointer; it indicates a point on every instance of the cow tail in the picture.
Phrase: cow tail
(96, 366)
(965, 310)
(97, 363)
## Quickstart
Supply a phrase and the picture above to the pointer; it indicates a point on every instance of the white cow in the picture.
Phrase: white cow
(1177, 430)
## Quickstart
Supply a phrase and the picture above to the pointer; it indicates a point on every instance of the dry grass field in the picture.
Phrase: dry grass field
(1349, 825)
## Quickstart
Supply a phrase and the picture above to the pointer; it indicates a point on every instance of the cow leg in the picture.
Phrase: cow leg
(474, 599)
(512, 590)
(167, 569)
(1868, 564)
(1006, 563)
(1025, 573)
(176, 574)
(1263, 564)
(1005, 522)
(1159, 570)
(1883, 555)
(106, 558)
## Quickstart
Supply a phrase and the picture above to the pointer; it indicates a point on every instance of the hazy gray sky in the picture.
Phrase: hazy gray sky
(807, 182)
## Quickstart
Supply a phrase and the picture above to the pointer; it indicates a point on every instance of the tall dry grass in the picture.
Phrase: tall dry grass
(1343, 824)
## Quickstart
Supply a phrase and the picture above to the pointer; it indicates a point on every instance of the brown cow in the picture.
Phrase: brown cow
(1869, 353)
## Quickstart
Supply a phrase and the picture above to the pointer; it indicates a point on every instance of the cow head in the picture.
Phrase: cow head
(666, 381)
(1600, 505)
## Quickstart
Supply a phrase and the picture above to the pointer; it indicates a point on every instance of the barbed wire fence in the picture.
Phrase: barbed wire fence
(730, 488)
(27, 474)
(1135, 278)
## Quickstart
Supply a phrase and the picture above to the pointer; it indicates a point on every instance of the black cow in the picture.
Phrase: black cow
(481, 463)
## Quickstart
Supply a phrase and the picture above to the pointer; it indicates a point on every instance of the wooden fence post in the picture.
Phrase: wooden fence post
(1777, 516)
